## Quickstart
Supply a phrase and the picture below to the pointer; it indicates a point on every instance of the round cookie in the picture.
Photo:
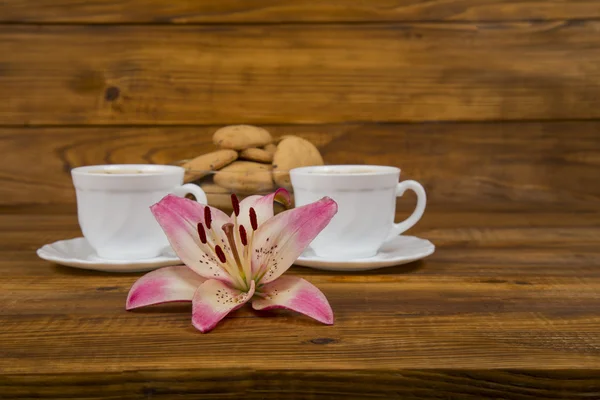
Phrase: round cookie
(222, 201)
(255, 154)
(271, 148)
(293, 152)
(246, 177)
(283, 137)
(210, 187)
(202, 165)
(240, 137)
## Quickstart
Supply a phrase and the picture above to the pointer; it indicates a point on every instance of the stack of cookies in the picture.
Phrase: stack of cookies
(248, 161)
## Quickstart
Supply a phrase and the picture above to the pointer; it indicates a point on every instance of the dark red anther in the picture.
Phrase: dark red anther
(220, 254)
(207, 217)
(236, 204)
(201, 232)
(243, 236)
(253, 220)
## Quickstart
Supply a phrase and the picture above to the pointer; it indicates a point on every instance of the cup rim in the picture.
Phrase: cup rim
(324, 170)
(148, 169)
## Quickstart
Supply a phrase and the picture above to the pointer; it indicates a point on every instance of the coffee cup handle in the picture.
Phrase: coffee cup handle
(405, 225)
(190, 188)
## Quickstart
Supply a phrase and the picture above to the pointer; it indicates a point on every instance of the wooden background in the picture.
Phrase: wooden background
(481, 100)
(494, 105)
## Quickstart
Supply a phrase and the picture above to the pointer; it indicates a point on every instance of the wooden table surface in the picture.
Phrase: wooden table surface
(507, 307)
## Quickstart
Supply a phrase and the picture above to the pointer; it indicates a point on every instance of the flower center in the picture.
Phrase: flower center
(220, 249)
(228, 229)
(234, 253)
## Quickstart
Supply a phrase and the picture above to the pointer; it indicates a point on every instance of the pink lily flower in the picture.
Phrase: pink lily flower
(230, 260)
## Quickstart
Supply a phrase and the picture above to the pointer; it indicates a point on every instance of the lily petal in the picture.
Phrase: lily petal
(179, 218)
(263, 206)
(178, 283)
(213, 300)
(296, 294)
(283, 238)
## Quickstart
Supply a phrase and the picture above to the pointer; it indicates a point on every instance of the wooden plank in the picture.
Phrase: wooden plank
(482, 162)
(201, 11)
(501, 326)
(299, 73)
(236, 383)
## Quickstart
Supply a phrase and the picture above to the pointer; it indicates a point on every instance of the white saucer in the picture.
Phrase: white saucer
(399, 250)
(78, 253)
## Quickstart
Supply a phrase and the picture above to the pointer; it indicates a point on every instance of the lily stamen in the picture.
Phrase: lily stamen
(202, 233)
(202, 230)
(207, 217)
(220, 254)
(253, 219)
(236, 204)
(243, 237)
(228, 229)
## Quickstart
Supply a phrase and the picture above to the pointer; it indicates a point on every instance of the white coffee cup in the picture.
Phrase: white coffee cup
(113, 207)
(366, 198)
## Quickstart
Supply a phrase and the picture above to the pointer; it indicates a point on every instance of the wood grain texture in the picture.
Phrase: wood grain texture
(547, 162)
(311, 384)
(202, 11)
(299, 73)
(505, 308)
